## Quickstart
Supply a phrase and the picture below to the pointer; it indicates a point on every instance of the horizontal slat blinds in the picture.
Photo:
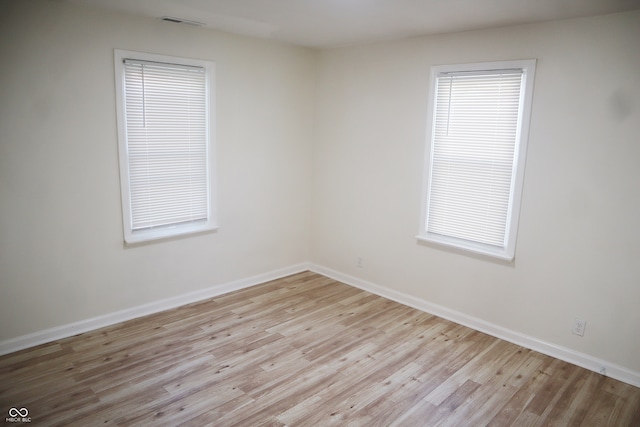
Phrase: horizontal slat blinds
(473, 148)
(166, 133)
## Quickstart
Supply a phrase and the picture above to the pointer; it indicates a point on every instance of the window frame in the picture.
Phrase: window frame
(507, 251)
(132, 236)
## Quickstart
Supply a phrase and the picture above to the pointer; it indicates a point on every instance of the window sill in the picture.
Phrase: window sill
(147, 236)
(477, 248)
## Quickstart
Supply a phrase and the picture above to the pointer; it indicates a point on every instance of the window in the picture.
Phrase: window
(477, 134)
(165, 131)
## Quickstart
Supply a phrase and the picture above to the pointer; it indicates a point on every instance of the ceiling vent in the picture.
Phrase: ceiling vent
(182, 21)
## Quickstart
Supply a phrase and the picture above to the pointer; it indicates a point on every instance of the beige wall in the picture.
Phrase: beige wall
(578, 245)
(320, 158)
(61, 245)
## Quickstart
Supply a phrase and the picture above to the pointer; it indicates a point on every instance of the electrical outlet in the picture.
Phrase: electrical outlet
(578, 327)
(360, 262)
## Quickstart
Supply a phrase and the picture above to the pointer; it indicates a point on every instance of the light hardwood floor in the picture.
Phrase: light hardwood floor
(304, 351)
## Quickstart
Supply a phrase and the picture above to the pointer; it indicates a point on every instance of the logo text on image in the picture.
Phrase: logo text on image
(18, 415)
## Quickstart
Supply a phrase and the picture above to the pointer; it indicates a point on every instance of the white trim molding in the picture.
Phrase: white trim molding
(71, 329)
(571, 356)
(568, 355)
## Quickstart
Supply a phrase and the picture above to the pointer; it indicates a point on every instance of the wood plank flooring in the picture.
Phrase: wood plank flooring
(304, 350)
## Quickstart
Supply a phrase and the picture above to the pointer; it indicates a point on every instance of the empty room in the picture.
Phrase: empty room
(312, 213)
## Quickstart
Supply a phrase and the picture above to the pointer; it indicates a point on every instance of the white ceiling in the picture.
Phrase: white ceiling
(331, 23)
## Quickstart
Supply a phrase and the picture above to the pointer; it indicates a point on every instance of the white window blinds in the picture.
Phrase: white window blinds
(167, 143)
(477, 120)
(165, 158)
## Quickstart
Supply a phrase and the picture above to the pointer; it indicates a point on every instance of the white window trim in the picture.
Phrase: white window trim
(210, 224)
(508, 251)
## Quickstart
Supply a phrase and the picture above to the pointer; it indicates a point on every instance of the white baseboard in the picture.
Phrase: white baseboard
(580, 359)
(65, 331)
(574, 357)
